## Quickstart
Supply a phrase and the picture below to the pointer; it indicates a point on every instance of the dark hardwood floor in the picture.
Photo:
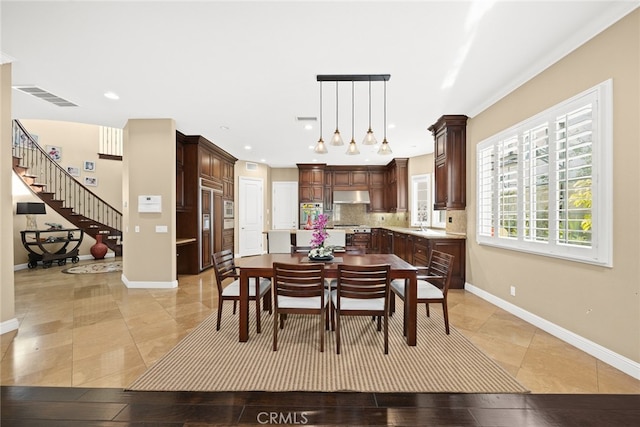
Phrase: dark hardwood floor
(66, 406)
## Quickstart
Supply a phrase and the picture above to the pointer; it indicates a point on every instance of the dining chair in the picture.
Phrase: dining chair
(362, 290)
(225, 268)
(303, 237)
(279, 241)
(299, 289)
(433, 285)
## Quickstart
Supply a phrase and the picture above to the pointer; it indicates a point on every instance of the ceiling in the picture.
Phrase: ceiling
(240, 73)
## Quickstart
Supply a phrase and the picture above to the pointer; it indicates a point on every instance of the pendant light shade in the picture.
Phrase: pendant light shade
(369, 138)
(337, 138)
(384, 147)
(353, 148)
(320, 148)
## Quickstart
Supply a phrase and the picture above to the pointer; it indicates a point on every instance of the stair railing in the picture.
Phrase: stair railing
(57, 180)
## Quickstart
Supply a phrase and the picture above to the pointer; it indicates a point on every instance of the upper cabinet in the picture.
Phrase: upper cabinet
(387, 185)
(450, 136)
(397, 192)
(311, 183)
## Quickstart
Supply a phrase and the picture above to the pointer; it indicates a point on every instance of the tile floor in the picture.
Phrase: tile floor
(88, 330)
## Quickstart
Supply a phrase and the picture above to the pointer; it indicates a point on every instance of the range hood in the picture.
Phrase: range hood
(351, 197)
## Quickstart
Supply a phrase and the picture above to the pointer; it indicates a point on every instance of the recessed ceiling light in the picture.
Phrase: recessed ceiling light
(111, 95)
(224, 127)
(247, 147)
(391, 126)
(263, 160)
(308, 127)
(311, 147)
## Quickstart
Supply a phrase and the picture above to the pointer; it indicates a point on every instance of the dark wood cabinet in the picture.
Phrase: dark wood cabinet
(362, 240)
(416, 250)
(457, 248)
(311, 183)
(397, 192)
(449, 134)
(387, 185)
(377, 181)
(201, 164)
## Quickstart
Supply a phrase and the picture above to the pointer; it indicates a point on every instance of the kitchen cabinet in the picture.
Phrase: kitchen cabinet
(201, 164)
(457, 248)
(311, 183)
(328, 191)
(374, 247)
(449, 134)
(416, 250)
(400, 245)
(397, 193)
(377, 180)
(350, 179)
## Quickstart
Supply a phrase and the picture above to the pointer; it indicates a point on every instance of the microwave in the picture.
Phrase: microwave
(228, 209)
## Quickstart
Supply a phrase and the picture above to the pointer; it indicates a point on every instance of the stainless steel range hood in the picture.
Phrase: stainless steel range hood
(351, 197)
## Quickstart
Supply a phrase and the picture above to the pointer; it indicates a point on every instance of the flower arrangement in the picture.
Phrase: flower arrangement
(318, 237)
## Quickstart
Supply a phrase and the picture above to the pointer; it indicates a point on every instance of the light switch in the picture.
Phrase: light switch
(137, 228)
(162, 229)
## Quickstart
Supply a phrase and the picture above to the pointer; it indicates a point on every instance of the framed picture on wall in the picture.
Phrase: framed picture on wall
(54, 151)
(90, 181)
(73, 170)
(89, 166)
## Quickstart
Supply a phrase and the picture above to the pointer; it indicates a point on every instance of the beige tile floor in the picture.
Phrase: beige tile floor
(88, 330)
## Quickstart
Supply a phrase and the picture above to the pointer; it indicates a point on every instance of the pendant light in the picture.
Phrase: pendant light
(353, 149)
(337, 139)
(320, 147)
(369, 138)
(384, 147)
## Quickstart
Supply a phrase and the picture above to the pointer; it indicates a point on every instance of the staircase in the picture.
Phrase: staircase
(63, 193)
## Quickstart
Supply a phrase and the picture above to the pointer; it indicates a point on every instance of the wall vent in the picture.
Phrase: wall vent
(306, 119)
(45, 95)
(251, 166)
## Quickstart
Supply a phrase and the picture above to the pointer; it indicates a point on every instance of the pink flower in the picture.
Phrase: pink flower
(319, 234)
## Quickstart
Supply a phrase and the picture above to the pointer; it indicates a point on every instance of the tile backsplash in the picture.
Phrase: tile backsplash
(356, 214)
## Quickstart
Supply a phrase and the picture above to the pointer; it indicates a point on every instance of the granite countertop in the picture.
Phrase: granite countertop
(429, 233)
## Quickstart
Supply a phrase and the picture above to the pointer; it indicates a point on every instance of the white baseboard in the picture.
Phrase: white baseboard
(9, 325)
(148, 285)
(612, 358)
(109, 254)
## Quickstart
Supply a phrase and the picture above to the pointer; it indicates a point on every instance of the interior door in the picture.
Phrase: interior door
(250, 217)
(284, 206)
(206, 227)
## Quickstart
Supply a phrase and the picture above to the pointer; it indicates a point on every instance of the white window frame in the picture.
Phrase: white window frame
(487, 212)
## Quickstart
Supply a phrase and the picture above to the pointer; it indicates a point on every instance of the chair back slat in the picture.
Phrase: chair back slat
(224, 267)
(299, 280)
(441, 266)
(363, 281)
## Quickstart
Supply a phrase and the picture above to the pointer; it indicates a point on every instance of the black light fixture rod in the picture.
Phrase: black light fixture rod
(352, 77)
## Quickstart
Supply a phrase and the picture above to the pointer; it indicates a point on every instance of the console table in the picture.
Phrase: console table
(44, 245)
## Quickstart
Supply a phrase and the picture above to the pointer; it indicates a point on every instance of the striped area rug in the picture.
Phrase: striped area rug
(210, 360)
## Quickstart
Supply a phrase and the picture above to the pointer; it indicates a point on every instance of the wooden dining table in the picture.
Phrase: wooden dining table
(262, 266)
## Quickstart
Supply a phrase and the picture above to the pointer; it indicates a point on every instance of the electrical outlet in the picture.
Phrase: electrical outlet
(513, 291)
(450, 219)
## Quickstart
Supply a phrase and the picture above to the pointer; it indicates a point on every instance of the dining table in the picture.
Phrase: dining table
(262, 266)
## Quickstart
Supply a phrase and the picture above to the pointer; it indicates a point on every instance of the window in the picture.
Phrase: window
(422, 202)
(544, 186)
(422, 190)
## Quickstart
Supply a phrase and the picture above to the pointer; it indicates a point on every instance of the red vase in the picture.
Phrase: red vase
(99, 249)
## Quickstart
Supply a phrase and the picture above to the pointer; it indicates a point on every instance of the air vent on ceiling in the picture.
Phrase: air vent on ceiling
(45, 96)
(306, 119)
(251, 166)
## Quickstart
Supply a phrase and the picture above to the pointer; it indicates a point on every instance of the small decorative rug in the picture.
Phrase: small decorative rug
(99, 267)
(210, 360)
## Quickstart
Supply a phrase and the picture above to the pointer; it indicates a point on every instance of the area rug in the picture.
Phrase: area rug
(210, 360)
(99, 267)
